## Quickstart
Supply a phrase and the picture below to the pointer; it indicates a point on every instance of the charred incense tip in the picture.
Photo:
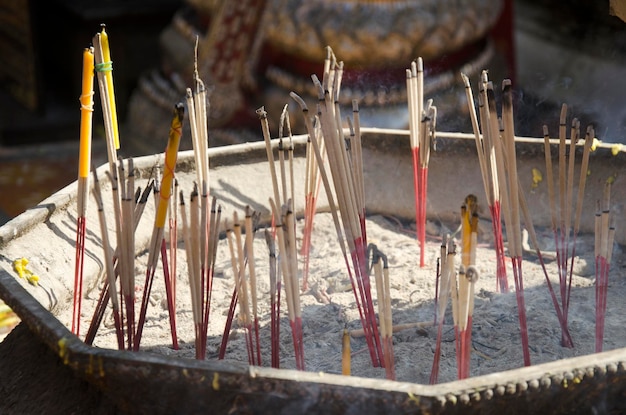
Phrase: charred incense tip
(318, 87)
(261, 113)
(466, 80)
(137, 194)
(179, 110)
(299, 101)
(507, 101)
(355, 105)
(420, 65)
(131, 167)
(350, 126)
(472, 274)
(484, 76)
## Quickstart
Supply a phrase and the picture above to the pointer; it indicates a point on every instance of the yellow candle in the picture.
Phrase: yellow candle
(171, 155)
(108, 68)
(86, 112)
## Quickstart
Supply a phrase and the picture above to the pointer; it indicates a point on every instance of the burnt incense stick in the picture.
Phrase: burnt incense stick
(241, 284)
(605, 234)
(157, 240)
(311, 191)
(515, 237)
(250, 226)
(448, 278)
(565, 335)
(194, 285)
(216, 214)
(275, 287)
(381, 273)
(234, 298)
(108, 262)
(103, 300)
(284, 234)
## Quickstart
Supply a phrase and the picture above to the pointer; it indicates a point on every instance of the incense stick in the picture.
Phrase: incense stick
(108, 262)
(381, 273)
(448, 279)
(605, 234)
(86, 115)
(485, 151)
(156, 241)
(250, 229)
(286, 248)
(274, 300)
(561, 215)
(515, 237)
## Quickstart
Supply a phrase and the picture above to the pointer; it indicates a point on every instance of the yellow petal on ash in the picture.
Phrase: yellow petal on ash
(595, 144)
(616, 148)
(611, 179)
(537, 177)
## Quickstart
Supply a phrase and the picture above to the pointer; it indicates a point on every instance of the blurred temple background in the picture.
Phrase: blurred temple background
(254, 52)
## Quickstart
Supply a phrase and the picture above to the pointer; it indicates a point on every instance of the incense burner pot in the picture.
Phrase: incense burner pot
(377, 34)
(375, 40)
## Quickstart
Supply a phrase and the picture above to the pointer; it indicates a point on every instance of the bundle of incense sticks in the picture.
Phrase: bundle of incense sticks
(312, 183)
(346, 171)
(487, 145)
(463, 290)
(245, 292)
(283, 219)
(422, 122)
(203, 232)
(200, 288)
(497, 159)
(447, 280)
(561, 215)
(383, 294)
(514, 237)
(603, 249)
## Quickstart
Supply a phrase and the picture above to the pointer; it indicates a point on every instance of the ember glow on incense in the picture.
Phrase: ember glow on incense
(84, 162)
